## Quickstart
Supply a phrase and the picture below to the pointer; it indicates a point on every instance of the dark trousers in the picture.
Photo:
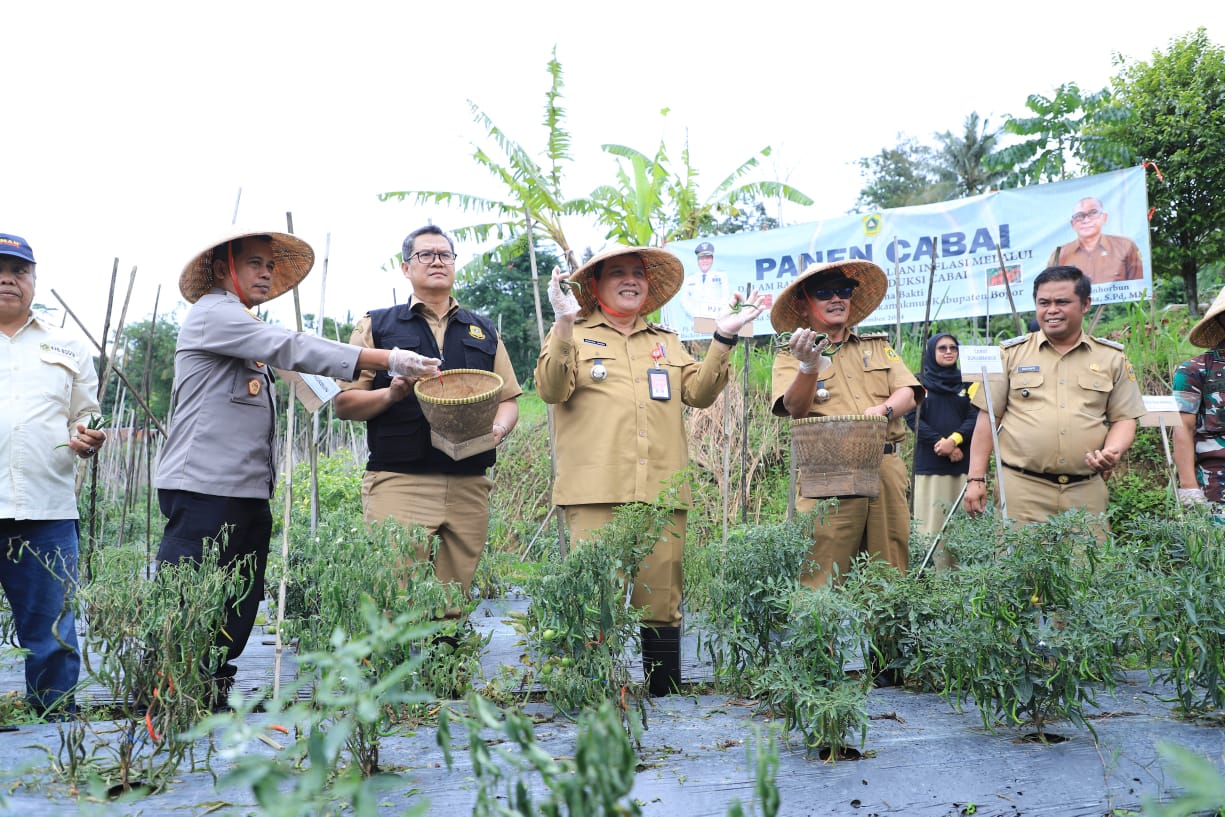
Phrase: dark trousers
(243, 528)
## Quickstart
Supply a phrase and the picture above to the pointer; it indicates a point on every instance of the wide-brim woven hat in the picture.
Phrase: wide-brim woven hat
(293, 259)
(791, 312)
(663, 270)
(1208, 333)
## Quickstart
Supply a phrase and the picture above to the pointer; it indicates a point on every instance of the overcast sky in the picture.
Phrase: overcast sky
(129, 128)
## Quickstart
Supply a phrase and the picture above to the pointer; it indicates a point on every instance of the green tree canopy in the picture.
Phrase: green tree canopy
(906, 174)
(1171, 111)
(527, 186)
(968, 157)
(501, 290)
(1061, 137)
(136, 362)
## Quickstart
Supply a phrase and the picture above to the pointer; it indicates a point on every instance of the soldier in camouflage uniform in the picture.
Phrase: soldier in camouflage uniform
(1199, 388)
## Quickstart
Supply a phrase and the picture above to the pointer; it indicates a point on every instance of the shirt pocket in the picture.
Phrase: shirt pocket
(250, 380)
(1025, 391)
(1095, 389)
(591, 359)
(875, 380)
(57, 375)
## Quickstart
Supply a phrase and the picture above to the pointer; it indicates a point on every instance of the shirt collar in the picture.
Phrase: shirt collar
(415, 304)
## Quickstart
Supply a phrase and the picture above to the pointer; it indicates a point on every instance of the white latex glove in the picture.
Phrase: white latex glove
(742, 311)
(807, 350)
(407, 363)
(1190, 497)
(564, 303)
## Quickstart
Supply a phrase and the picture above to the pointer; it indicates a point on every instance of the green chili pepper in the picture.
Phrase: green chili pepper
(783, 341)
(96, 422)
(567, 285)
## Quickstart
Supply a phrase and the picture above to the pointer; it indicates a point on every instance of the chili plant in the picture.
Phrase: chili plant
(596, 781)
(1034, 633)
(750, 589)
(332, 758)
(898, 607)
(1185, 608)
(580, 622)
(149, 644)
(806, 678)
(346, 564)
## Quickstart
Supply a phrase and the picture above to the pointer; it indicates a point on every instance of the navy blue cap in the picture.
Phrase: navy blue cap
(705, 248)
(16, 245)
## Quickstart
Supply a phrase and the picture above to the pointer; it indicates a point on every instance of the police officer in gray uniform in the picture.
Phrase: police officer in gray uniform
(216, 471)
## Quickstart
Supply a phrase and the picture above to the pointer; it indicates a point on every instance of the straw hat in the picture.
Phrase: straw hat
(1208, 333)
(293, 259)
(664, 275)
(790, 310)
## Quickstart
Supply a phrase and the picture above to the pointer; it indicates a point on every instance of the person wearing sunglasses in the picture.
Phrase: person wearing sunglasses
(865, 376)
(943, 426)
(407, 479)
(1102, 258)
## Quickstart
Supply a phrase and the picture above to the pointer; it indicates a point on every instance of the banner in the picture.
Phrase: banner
(1098, 223)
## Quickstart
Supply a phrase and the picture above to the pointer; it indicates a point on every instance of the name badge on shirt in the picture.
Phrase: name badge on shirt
(657, 381)
(1023, 369)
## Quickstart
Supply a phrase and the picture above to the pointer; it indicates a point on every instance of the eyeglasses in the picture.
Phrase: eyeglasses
(428, 256)
(844, 293)
(946, 348)
(1077, 218)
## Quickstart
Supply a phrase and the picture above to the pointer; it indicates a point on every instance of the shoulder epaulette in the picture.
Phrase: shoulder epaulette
(659, 327)
(1113, 344)
(1008, 344)
(875, 336)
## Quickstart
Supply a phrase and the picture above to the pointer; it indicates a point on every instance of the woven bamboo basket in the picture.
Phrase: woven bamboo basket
(839, 456)
(460, 406)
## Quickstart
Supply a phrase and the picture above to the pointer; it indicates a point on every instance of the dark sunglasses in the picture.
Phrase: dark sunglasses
(946, 348)
(824, 294)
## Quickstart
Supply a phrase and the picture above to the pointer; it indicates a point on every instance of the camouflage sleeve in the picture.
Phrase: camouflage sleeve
(1188, 387)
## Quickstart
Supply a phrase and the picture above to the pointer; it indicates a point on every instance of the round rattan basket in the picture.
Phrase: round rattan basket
(839, 456)
(460, 406)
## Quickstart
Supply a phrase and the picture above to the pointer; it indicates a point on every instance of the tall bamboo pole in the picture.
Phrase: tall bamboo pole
(289, 434)
(531, 254)
(314, 449)
(149, 350)
(1016, 319)
(115, 368)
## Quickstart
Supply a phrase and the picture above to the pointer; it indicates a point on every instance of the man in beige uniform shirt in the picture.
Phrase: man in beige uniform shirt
(407, 479)
(620, 385)
(1066, 408)
(866, 377)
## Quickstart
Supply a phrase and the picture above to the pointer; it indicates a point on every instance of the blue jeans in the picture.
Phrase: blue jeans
(38, 569)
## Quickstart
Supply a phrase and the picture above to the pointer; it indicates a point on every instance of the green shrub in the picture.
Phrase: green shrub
(748, 603)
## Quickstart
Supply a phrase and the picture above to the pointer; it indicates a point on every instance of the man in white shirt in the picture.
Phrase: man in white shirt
(52, 396)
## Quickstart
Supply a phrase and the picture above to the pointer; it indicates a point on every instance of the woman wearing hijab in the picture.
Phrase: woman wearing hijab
(943, 426)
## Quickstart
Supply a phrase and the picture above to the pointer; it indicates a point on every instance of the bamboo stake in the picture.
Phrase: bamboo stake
(744, 430)
(1016, 319)
(118, 371)
(149, 349)
(289, 434)
(314, 449)
(531, 254)
(931, 284)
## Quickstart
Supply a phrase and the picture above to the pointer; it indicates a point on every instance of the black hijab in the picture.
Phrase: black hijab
(937, 378)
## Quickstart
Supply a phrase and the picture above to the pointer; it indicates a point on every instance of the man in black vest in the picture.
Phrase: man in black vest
(407, 479)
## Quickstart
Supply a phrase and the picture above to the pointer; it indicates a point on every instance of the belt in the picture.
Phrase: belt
(1058, 479)
(892, 448)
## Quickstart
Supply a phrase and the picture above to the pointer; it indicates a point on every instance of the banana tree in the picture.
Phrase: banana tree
(528, 187)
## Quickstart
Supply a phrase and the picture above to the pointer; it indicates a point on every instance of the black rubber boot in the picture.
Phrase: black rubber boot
(661, 659)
